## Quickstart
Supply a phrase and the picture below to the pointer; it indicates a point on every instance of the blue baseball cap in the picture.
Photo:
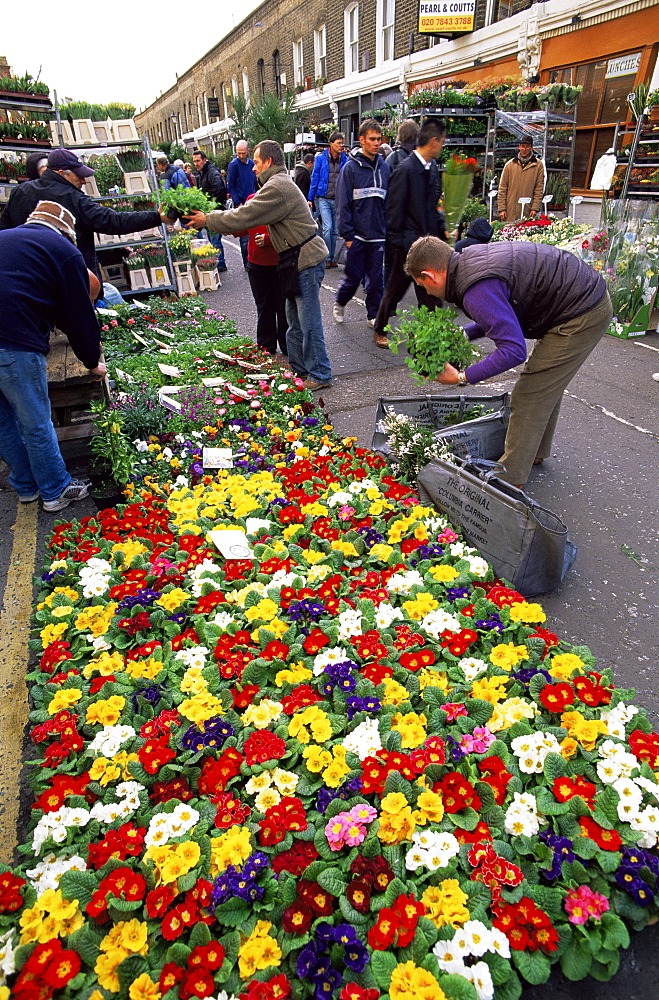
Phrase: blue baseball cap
(66, 159)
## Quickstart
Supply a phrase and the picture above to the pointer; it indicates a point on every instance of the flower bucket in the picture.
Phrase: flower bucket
(639, 325)
(456, 192)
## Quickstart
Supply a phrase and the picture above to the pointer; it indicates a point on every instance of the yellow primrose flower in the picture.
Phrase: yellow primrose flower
(586, 731)
(411, 982)
(62, 611)
(433, 678)
(446, 903)
(394, 693)
(259, 951)
(443, 573)
(130, 549)
(412, 729)
(397, 821)
(509, 712)
(430, 808)
(492, 689)
(420, 606)
(320, 728)
(51, 633)
(105, 712)
(201, 707)
(105, 770)
(380, 552)
(143, 988)
(131, 935)
(507, 655)
(347, 548)
(294, 674)
(96, 619)
(529, 614)
(563, 666)
(105, 664)
(73, 595)
(230, 848)
(313, 556)
(173, 599)
(145, 670)
(64, 698)
(264, 611)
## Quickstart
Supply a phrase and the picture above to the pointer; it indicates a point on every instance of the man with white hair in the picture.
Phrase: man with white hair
(241, 182)
(43, 283)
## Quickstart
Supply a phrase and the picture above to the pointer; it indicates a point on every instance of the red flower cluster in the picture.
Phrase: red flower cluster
(458, 643)
(296, 859)
(63, 725)
(352, 991)
(230, 810)
(549, 638)
(61, 785)
(565, 789)
(49, 967)
(406, 637)
(315, 641)
(186, 914)
(197, 979)
(175, 788)
(494, 772)
(607, 840)
(121, 883)
(527, 927)
(312, 901)
(263, 746)
(369, 645)
(396, 924)
(493, 870)
(302, 696)
(277, 988)
(155, 753)
(645, 746)
(418, 659)
(288, 814)
(10, 892)
(591, 692)
(369, 875)
(478, 835)
(216, 774)
(127, 840)
(556, 697)
(53, 654)
(457, 793)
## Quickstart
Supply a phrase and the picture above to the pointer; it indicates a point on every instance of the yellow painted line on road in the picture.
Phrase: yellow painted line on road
(14, 653)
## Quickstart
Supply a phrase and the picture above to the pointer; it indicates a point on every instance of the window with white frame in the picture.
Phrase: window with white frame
(385, 27)
(298, 63)
(235, 89)
(351, 37)
(320, 52)
(246, 84)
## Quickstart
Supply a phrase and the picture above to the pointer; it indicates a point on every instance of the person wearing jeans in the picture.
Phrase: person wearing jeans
(326, 170)
(241, 182)
(307, 354)
(43, 283)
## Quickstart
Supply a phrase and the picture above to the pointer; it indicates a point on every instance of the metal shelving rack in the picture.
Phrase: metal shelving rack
(637, 189)
(479, 143)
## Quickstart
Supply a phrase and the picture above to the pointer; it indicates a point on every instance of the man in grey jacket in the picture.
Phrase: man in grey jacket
(280, 205)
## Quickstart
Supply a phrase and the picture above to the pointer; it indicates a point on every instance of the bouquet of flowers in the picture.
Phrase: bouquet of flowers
(205, 257)
(136, 262)
(458, 180)
(155, 255)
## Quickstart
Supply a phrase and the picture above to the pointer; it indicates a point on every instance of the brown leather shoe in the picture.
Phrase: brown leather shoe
(381, 340)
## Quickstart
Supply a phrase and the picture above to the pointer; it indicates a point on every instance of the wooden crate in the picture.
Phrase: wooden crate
(71, 389)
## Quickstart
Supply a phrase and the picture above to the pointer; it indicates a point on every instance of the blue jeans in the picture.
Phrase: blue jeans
(327, 213)
(363, 263)
(28, 442)
(216, 240)
(244, 240)
(307, 353)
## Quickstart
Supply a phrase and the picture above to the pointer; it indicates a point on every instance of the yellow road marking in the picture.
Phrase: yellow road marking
(14, 653)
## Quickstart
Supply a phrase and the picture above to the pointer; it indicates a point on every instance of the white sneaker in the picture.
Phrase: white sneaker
(337, 312)
(76, 490)
(370, 322)
(656, 376)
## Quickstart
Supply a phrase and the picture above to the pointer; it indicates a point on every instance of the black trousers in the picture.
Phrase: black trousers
(271, 324)
(397, 284)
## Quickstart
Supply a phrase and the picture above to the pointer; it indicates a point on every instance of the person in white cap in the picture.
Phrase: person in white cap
(43, 283)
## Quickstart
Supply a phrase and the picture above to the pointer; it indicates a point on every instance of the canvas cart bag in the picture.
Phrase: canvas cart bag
(430, 411)
(526, 543)
(483, 437)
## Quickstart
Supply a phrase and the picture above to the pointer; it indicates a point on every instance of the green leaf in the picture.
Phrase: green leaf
(383, 964)
(129, 970)
(533, 966)
(457, 988)
(200, 935)
(78, 885)
(333, 880)
(575, 961)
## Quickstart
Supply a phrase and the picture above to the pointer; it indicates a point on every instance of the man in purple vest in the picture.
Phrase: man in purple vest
(515, 292)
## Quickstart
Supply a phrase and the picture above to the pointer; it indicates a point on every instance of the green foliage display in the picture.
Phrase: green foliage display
(24, 85)
(433, 339)
(186, 200)
(97, 112)
(110, 447)
(131, 160)
(107, 172)
(270, 118)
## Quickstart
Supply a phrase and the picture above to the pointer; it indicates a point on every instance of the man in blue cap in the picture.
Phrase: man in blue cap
(62, 182)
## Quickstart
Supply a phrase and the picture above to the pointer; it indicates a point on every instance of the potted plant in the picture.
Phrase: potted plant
(181, 201)
(205, 257)
(652, 103)
(433, 338)
(112, 457)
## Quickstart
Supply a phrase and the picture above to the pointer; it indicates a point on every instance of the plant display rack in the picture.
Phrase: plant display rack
(556, 149)
(643, 153)
(476, 145)
(24, 103)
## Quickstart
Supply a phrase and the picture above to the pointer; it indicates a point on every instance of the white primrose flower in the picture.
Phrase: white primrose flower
(461, 943)
(285, 781)
(364, 740)
(481, 978)
(194, 657)
(140, 445)
(47, 873)
(254, 524)
(386, 613)
(402, 583)
(480, 937)
(266, 799)
(7, 963)
(617, 718)
(98, 642)
(335, 654)
(631, 798)
(522, 816)
(222, 618)
(499, 943)
(437, 621)
(109, 740)
(340, 497)
(650, 786)
(532, 750)
(449, 957)
(472, 667)
(350, 623)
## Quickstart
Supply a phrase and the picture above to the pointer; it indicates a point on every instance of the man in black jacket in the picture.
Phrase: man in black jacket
(62, 182)
(411, 212)
(210, 181)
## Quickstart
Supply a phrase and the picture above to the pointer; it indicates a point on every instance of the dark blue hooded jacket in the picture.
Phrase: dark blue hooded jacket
(361, 192)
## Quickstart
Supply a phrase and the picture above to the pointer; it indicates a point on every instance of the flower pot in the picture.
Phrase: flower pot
(208, 280)
(654, 113)
(105, 495)
(159, 275)
(136, 182)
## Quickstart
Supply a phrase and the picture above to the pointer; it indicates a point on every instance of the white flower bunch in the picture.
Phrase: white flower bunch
(222, 619)
(386, 613)
(254, 524)
(95, 577)
(128, 794)
(472, 667)
(260, 716)
(47, 873)
(531, 750)
(195, 656)
(7, 962)
(617, 718)
(109, 740)
(472, 940)
(522, 818)
(616, 762)
(204, 573)
(432, 848)
(364, 740)
(163, 826)
(270, 786)
(437, 621)
(54, 825)
(335, 654)
(350, 623)
(402, 583)
(340, 497)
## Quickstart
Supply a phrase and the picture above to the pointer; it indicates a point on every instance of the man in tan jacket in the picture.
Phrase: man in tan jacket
(280, 205)
(522, 177)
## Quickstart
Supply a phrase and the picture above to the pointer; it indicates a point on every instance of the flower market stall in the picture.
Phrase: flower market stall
(292, 738)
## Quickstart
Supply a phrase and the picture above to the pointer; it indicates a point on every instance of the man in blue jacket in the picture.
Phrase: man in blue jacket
(43, 283)
(241, 182)
(360, 207)
(326, 170)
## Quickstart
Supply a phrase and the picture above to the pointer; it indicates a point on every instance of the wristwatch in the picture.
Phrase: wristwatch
(462, 379)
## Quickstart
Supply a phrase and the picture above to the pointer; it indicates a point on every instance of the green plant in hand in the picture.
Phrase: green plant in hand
(187, 200)
(433, 339)
(111, 448)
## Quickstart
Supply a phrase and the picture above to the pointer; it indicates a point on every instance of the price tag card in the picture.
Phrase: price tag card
(124, 376)
(235, 391)
(140, 339)
(217, 458)
(169, 389)
(169, 402)
(164, 348)
(210, 383)
(164, 333)
(262, 376)
(140, 305)
(169, 370)
(224, 357)
(106, 312)
(232, 544)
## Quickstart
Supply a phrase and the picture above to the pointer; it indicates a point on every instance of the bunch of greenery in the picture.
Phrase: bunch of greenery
(180, 244)
(24, 130)
(131, 160)
(186, 200)
(23, 85)
(154, 254)
(433, 339)
(443, 98)
(475, 208)
(111, 448)
(107, 172)
(270, 118)
(97, 112)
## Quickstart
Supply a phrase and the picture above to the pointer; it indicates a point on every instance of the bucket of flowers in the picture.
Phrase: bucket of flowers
(205, 257)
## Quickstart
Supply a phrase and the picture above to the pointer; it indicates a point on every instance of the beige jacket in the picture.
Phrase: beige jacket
(280, 205)
(519, 181)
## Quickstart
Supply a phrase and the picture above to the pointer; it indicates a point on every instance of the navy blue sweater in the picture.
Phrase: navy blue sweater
(361, 191)
(241, 181)
(44, 283)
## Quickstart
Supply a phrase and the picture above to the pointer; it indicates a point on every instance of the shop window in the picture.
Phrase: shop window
(246, 84)
(497, 10)
(320, 52)
(602, 104)
(351, 36)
